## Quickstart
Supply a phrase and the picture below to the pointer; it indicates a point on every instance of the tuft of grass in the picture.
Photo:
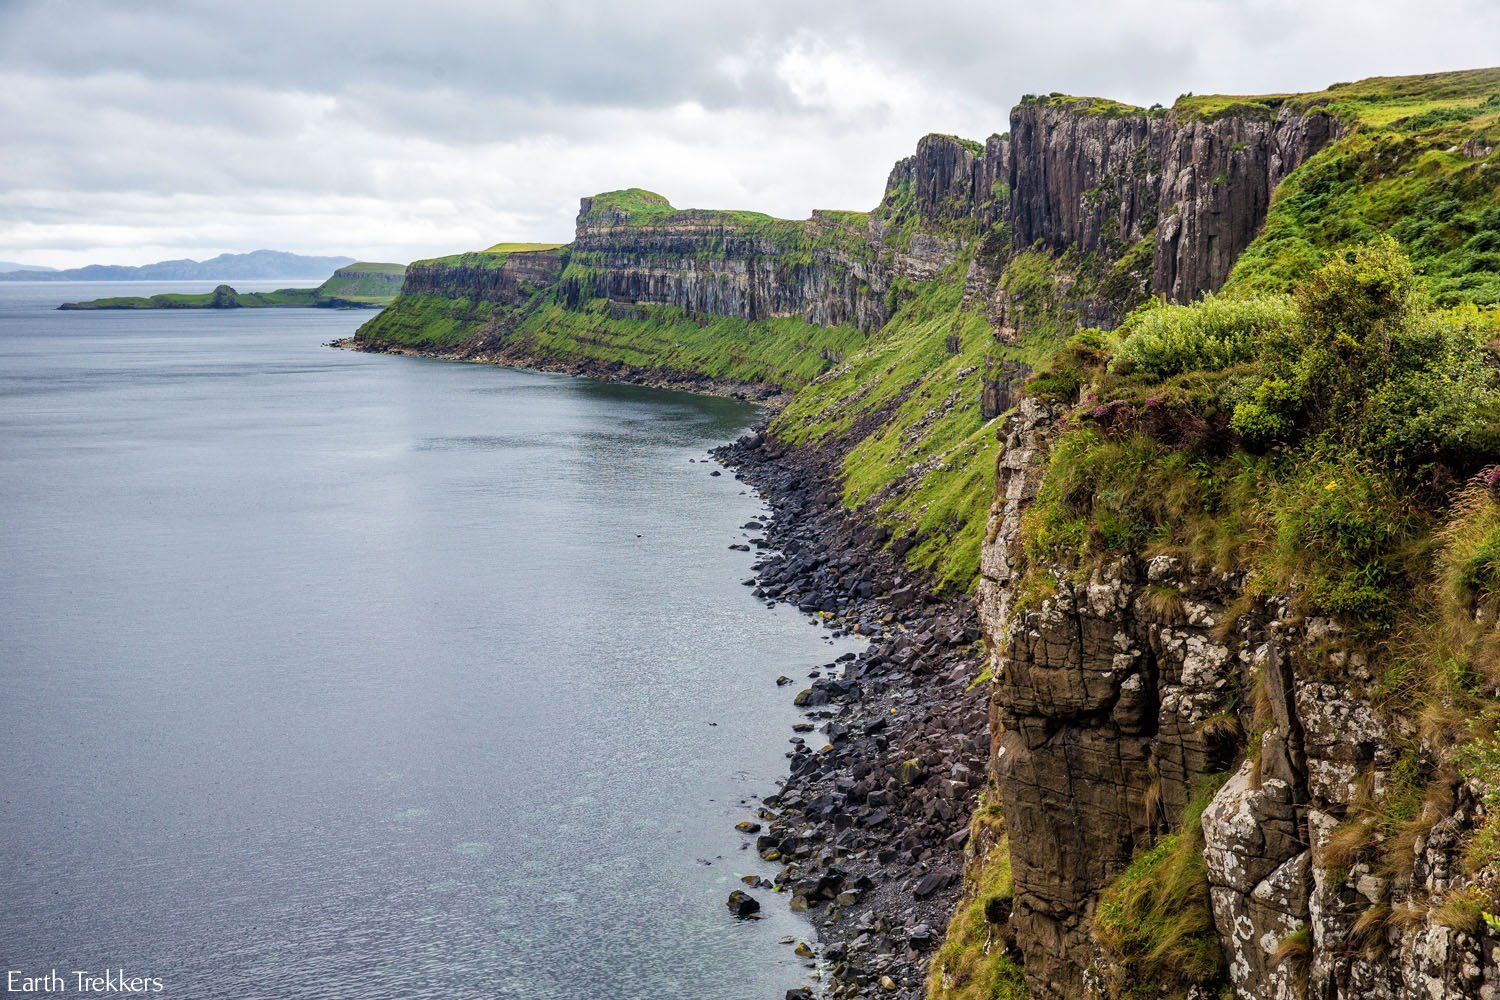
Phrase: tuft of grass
(1296, 949)
(1155, 920)
(973, 962)
(1469, 571)
(1370, 927)
(1463, 909)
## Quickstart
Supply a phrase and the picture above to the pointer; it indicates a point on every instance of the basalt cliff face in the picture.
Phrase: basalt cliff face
(1230, 716)
(737, 265)
(1066, 179)
(479, 277)
(1197, 191)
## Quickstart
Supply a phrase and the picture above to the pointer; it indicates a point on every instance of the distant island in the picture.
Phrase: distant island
(361, 285)
(256, 265)
(33, 270)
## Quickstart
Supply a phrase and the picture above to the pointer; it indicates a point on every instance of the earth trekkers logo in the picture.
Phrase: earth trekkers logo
(80, 981)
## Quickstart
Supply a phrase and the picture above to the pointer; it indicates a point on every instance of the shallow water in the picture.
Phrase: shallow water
(336, 675)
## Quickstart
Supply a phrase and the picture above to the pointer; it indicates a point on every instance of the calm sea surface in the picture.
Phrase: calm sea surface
(334, 675)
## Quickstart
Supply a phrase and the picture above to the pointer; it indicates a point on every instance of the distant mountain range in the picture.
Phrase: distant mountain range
(10, 265)
(242, 266)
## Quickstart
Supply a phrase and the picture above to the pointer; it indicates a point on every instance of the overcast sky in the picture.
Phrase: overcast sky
(136, 130)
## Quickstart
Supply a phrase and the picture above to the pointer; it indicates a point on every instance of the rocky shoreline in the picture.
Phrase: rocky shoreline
(872, 823)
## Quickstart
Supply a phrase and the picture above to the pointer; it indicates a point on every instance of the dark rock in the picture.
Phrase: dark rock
(742, 904)
(929, 884)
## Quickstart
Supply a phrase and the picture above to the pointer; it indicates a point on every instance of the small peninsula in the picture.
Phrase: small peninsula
(361, 285)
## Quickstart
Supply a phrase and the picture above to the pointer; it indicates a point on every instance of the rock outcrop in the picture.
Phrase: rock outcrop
(1099, 181)
(507, 279)
(634, 247)
(1119, 698)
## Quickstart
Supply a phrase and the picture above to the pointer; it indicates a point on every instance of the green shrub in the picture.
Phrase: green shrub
(1162, 340)
(1341, 532)
(1368, 368)
(1081, 359)
(1435, 399)
(1269, 414)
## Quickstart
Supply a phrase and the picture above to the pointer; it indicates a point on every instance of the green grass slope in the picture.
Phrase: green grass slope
(904, 411)
(780, 354)
(1418, 163)
(785, 353)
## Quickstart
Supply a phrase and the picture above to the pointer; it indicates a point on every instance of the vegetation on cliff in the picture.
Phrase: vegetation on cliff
(1336, 445)
(1303, 437)
(491, 259)
(1154, 919)
(917, 451)
(975, 962)
(1418, 165)
(783, 352)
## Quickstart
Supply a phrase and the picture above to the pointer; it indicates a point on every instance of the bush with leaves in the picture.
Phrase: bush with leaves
(1162, 340)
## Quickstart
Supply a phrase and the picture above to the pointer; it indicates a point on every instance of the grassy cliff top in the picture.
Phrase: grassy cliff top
(972, 146)
(491, 258)
(634, 204)
(371, 267)
(509, 248)
(363, 283)
(1377, 102)
(639, 207)
(1094, 107)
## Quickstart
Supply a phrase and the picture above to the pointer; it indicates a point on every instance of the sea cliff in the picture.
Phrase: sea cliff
(1160, 444)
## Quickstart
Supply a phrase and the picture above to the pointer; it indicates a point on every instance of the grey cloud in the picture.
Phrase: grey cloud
(427, 124)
